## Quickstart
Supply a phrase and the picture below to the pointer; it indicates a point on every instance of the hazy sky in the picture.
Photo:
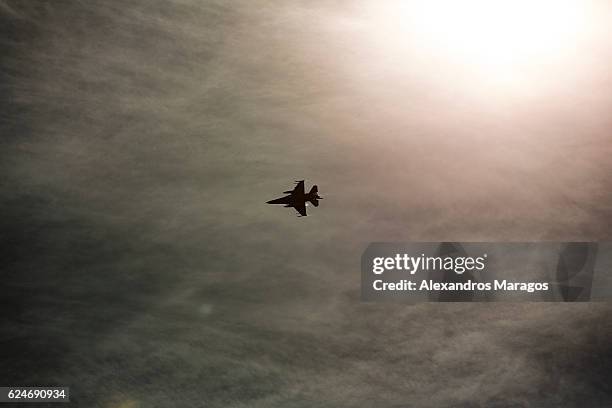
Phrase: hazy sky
(141, 139)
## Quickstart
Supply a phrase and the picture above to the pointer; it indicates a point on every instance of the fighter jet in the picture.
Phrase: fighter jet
(297, 198)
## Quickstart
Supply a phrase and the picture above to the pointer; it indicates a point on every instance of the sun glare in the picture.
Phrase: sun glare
(505, 41)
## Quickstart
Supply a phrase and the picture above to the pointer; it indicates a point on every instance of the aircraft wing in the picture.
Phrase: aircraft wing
(299, 188)
(301, 207)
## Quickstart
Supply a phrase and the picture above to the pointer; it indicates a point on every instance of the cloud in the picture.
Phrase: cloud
(140, 142)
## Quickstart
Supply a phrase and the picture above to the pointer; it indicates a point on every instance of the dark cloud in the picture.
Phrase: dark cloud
(140, 266)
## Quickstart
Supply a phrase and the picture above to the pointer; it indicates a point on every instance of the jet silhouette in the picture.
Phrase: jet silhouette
(297, 198)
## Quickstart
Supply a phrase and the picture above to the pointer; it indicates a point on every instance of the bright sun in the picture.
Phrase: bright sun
(507, 42)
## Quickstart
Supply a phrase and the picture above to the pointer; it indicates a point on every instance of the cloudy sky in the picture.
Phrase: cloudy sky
(141, 139)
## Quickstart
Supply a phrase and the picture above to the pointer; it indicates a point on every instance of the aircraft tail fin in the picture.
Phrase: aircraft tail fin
(313, 196)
